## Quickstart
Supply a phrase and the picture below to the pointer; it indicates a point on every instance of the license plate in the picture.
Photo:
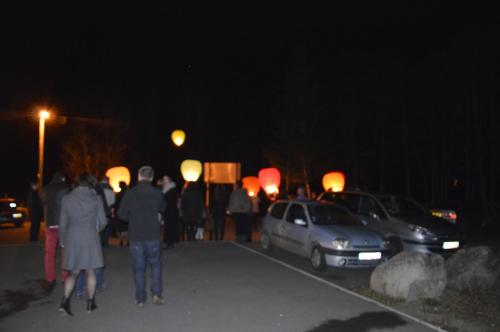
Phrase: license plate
(451, 245)
(367, 256)
(17, 215)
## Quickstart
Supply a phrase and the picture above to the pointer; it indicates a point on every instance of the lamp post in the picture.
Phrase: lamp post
(42, 116)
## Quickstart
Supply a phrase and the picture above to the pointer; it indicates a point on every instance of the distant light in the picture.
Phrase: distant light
(12, 205)
(178, 137)
(191, 170)
(251, 184)
(116, 175)
(44, 114)
(453, 215)
(269, 179)
(334, 181)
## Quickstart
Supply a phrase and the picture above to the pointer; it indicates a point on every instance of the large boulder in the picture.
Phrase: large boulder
(473, 268)
(410, 276)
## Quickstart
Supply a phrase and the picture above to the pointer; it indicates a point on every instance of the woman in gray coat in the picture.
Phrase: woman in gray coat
(82, 217)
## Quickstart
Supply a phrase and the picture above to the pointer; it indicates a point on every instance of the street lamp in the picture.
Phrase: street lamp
(42, 116)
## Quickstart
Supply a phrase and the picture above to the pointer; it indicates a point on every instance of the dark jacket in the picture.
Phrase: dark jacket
(34, 205)
(140, 206)
(192, 206)
(52, 197)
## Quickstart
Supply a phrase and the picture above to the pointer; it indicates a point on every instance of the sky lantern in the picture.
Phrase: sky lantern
(178, 137)
(117, 175)
(252, 185)
(191, 170)
(269, 180)
(334, 181)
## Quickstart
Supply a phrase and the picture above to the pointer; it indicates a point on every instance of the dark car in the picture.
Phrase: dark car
(11, 213)
(408, 224)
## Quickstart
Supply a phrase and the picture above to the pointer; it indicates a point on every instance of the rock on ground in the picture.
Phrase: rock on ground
(473, 268)
(410, 276)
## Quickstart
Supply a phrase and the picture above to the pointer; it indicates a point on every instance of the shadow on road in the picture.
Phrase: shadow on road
(362, 323)
(12, 301)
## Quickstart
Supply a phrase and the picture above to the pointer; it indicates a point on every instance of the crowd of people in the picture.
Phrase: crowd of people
(80, 218)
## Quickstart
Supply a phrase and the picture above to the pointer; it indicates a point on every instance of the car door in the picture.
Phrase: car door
(295, 235)
(372, 215)
(275, 227)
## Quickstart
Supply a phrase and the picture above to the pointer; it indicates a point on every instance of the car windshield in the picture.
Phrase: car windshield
(324, 214)
(401, 207)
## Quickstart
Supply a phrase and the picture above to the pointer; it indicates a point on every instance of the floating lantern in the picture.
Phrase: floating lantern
(191, 170)
(269, 180)
(251, 184)
(116, 175)
(334, 181)
(178, 137)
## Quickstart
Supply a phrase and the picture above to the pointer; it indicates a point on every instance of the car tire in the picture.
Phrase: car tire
(265, 241)
(318, 259)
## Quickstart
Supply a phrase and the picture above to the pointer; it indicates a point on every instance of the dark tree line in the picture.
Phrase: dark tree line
(426, 126)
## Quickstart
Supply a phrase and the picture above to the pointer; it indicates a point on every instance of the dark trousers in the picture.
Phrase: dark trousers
(146, 253)
(219, 227)
(34, 229)
(241, 223)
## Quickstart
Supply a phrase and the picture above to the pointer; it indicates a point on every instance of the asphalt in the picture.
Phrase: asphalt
(209, 286)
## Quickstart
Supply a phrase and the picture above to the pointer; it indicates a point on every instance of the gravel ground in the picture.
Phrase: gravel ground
(454, 311)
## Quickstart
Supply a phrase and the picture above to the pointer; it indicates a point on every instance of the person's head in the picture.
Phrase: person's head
(239, 184)
(301, 191)
(146, 173)
(34, 185)
(105, 179)
(122, 185)
(86, 180)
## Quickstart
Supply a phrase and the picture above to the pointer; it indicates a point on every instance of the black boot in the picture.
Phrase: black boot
(91, 306)
(65, 308)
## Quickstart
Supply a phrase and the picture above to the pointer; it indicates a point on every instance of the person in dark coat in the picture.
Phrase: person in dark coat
(141, 207)
(192, 207)
(82, 218)
(171, 215)
(122, 224)
(218, 210)
(35, 211)
(51, 199)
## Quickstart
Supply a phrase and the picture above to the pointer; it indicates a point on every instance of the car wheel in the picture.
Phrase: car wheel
(265, 241)
(318, 259)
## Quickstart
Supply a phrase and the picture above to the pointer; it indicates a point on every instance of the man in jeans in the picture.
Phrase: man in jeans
(52, 197)
(141, 207)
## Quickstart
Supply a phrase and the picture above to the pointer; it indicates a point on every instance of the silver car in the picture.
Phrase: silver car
(406, 223)
(326, 233)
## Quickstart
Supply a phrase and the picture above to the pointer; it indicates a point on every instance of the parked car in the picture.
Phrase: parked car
(405, 222)
(11, 213)
(467, 215)
(326, 233)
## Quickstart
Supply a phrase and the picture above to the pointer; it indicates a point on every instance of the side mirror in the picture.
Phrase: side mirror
(299, 222)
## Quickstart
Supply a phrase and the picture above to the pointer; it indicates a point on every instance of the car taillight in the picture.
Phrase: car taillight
(452, 215)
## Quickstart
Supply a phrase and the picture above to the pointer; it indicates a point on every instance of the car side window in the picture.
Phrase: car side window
(349, 201)
(278, 210)
(296, 211)
(370, 208)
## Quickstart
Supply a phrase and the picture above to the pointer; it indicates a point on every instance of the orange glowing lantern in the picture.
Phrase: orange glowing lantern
(334, 181)
(269, 180)
(251, 184)
(117, 175)
(191, 170)
(178, 137)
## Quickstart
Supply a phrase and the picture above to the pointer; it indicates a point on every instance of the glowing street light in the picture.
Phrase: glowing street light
(42, 115)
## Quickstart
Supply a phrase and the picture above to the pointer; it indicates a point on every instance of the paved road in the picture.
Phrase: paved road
(208, 287)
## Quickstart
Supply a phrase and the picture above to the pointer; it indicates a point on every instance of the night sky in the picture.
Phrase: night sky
(234, 76)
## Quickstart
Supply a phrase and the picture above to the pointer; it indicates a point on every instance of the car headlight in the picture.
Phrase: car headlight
(340, 243)
(420, 230)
